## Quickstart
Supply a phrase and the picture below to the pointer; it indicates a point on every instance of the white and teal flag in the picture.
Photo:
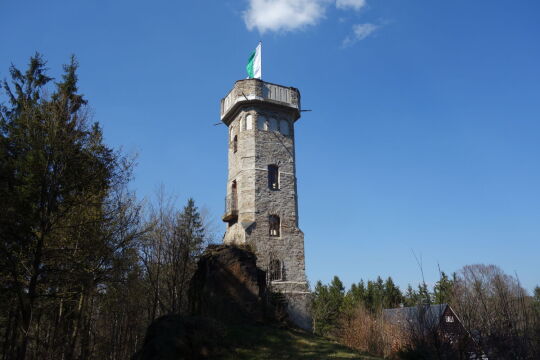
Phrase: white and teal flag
(254, 67)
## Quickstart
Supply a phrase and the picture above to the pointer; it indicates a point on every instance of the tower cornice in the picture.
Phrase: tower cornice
(250, 92)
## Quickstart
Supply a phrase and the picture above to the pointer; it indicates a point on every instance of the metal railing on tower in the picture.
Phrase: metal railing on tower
(231, 207)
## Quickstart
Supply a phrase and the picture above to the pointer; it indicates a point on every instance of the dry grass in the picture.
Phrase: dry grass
(367, 332)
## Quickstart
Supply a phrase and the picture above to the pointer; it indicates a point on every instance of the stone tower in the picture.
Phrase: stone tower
(261, 207)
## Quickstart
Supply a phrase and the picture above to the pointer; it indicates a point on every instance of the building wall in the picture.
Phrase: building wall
(454, 327)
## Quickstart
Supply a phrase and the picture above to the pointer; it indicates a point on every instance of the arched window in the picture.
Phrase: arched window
(284, 127)
(274, 225)
(273, 177)
(235, 143)
(273, 124)
(275, 270)
(249, 122)
(261, 123)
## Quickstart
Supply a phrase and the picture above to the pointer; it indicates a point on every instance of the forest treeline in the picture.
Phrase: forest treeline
(501, 320)
(84, 265)
(331, 301)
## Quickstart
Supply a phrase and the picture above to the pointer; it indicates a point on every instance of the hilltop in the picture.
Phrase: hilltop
(262, 342)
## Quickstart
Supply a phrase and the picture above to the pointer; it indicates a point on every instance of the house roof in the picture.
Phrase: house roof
(425, 314)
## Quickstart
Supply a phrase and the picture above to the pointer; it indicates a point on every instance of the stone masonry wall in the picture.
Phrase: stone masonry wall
(256, 149)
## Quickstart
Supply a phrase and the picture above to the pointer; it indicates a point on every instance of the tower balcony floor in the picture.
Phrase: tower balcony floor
(230, 215)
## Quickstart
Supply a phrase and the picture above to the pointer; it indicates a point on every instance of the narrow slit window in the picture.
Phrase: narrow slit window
(273, 177)
(235, 143)
(274, 225)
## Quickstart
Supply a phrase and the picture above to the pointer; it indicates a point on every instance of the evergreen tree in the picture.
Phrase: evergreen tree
(336, 290)
(442, 291)
(374, 294)
(65, 218)
(353, 298)
(327, 306)
(320, 309)
(424, 296)
(189, 240)
(411, 297)
(357, 293)
(392, 295)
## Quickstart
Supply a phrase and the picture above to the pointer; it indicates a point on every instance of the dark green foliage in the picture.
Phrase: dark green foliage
(392, 296)
(326, 307)
(75, 281)
(331, 303)
(424, 295)
(333, 307)
(187, 243)
(376, 295)
(442, 291)
(67, 223)
(357, 292)
(417, 297)
(411, 297)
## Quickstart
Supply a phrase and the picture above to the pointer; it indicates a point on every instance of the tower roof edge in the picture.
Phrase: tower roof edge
(255, 91)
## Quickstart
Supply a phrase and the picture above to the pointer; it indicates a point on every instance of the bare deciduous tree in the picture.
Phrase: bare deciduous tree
(497, 311)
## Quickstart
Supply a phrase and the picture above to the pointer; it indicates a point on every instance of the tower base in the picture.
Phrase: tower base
(298, 302)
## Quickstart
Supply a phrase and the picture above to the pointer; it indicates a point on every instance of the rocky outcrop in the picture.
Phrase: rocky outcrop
(228, 286)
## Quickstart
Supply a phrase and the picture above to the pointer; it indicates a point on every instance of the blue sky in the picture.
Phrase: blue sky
(424, 136)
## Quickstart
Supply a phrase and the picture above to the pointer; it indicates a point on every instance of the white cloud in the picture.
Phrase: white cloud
(283, 15)
(350, 4)
(360, 32)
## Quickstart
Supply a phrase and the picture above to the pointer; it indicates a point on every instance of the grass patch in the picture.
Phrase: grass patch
(274, 343)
